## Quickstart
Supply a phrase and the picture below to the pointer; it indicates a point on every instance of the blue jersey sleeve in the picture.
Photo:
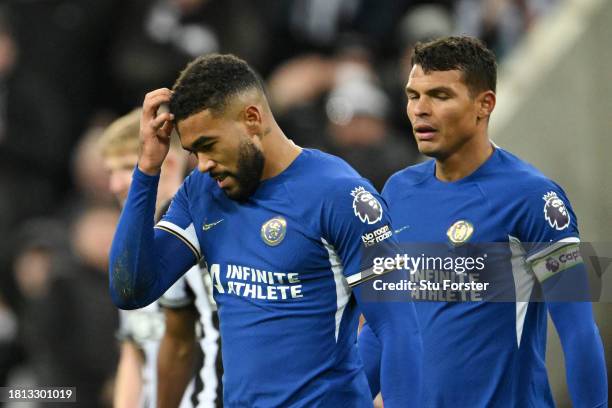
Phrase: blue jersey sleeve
(549, 231)
(178, 221)
(144, 262)
(585, 363)
(548, 228)
(357, 226)
(369, 350)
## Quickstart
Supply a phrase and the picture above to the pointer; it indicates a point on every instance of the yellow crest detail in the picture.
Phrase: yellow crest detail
(273, 231)
(460, 232)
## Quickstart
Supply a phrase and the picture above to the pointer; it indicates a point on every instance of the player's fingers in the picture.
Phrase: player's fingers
(157, 92)
(159, 120)
(152, 104)
(153, 100)
(166, 129)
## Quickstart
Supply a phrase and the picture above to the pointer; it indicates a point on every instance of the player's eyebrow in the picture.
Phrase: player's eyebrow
(432, 91)
(199, 143)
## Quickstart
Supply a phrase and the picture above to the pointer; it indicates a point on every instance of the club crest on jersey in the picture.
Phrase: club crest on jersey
(273, 231)
(366, 206)
(555, 211)
(460, 232)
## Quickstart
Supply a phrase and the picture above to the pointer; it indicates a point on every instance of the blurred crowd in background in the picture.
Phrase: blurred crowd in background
(335, 72)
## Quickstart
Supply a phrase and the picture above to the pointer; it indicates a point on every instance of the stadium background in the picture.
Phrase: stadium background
(335, 71)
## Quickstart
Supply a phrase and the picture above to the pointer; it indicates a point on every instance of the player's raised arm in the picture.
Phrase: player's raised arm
(155, 129)
(359, 229)
(144, 263)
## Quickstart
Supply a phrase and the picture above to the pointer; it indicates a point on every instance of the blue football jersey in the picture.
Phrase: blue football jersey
(282, 267)
(486, 354)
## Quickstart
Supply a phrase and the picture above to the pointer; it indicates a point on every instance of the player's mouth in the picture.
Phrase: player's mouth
(223, 179)
(424, 132)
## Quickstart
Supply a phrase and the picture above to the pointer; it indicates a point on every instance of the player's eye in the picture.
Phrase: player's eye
(413, 97)
(207, 147)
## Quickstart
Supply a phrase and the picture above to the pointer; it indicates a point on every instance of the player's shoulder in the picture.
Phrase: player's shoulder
(329, 166)
(514, 174)
(410, 176)
(329, 174)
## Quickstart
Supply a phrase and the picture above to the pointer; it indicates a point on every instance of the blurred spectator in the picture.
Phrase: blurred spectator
(68, 320)
(300, 81)
(357, 111)
(17, 175)
(10, 351)
(156, 39)
(499, 23)
(39, 244)
(88, 174)
(64, 44)
(336, 104)
(421, 23)
(319, 26)
(8, 57)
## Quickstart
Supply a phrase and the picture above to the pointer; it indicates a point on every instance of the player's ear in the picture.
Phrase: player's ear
(486, 103)
(253, 120)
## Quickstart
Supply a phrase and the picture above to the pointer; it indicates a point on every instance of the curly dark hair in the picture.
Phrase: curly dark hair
(464, 53)
(209, 82)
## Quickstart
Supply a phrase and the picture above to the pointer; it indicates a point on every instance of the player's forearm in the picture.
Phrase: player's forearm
(133, 270)
(584, 355)
(128, 383)
(395, 325)
(175, 365)
(586, 368)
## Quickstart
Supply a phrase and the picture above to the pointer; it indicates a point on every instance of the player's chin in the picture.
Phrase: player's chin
(428, 148)
(241, 191)
(235, 192)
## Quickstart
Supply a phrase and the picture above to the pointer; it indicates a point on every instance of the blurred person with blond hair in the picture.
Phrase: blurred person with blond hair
(159, 353)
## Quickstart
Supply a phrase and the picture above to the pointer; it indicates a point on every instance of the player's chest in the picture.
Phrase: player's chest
(266, 238)
(454, 218)
(454, 237)
(263, 254)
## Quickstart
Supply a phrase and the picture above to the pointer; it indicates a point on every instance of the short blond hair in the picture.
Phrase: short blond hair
(122, 136)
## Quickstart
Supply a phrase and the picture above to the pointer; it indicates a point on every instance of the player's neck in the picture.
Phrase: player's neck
(280, 153)
(464, 161)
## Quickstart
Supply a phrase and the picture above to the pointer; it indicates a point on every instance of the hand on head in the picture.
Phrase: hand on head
(155, 129)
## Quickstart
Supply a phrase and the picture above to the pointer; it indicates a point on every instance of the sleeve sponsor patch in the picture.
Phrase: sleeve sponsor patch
(376, 236)
(556, 261)
(555, 211)
(366, 206)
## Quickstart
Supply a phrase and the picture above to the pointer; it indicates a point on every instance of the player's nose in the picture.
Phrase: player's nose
(205, 164)
(421, 106)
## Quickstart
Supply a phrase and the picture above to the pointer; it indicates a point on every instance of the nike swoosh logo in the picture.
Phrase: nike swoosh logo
(206, 227)
(397, 231)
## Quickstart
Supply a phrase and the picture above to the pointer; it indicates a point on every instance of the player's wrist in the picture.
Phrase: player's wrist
(149, 169)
